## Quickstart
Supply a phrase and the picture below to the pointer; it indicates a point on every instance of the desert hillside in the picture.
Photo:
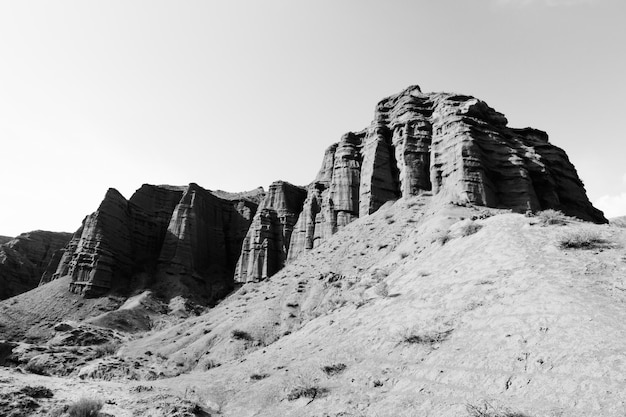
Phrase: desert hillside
(418, 309)
(441, 263)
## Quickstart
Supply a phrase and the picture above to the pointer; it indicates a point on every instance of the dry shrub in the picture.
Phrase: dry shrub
(85, 407)
(486, 409)
(552, 217)
(334, 369)
(107, 349)
(582, 239)
(241, 335)
(470, 228)
(416, 336)
(305, 385)
(442, 237)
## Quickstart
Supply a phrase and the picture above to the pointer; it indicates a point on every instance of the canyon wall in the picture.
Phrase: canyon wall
(179, 240)
(438, 143)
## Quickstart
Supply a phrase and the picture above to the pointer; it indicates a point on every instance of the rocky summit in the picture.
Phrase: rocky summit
(438, 143)
(440, 263)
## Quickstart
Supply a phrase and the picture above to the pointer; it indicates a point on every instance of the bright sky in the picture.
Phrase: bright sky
(236, 94)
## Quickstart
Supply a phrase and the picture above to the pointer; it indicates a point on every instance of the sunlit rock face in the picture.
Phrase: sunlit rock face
(438, 143)
(25, 258)
(181, 240)
(266, 244)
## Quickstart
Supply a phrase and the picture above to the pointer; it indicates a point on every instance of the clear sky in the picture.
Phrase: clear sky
(236, 94)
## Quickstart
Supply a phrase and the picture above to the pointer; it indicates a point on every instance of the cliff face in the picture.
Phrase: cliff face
(266, 244)
(439, 143)
(25, 258)
(182, 240)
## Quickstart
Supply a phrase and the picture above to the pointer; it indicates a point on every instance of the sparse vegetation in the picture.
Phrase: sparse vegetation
(107, 349)
(305, 386)
(85, 407)
(552, 217)
(415, 336)
(486, 409)
(334, 369)
(442, 237)
(470, 228)
(241, 335)
(582, 239)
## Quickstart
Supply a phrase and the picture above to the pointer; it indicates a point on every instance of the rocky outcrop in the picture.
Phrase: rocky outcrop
(266, 244)
(25, 258)
(438, 143)
(179, 240)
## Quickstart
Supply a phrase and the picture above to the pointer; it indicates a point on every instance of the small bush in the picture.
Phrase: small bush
(258, 377)
(551, 217)
(241, 335)
(442, 237)
(582, 239)
(107, 349)
(334, 369)
(305, 385)
(85, 407)
(488, 410)
(470, 228)
(414, 336)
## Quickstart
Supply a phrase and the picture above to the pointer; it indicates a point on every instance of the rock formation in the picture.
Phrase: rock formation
(266, 245)
(25, 258)
(448, 144)
(180, 240)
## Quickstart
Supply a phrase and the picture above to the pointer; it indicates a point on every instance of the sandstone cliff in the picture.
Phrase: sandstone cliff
(266, 244)
(177, 239)
(25, 258)
(447, 144)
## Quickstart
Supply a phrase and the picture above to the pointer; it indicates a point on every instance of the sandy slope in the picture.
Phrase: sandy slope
(519, 322)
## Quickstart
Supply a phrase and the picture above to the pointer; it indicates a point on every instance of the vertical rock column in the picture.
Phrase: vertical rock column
(266, 245)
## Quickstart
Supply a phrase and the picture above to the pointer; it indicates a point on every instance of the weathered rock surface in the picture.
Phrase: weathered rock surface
(440, 143)
(266, 244)
(25, 258)
(178, 239)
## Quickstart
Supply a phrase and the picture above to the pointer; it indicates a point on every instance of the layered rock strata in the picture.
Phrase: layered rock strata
(182, 240)
(438, 143)
(25, 258)
(266, 244)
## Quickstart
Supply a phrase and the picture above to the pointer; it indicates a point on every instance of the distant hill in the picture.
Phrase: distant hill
(25, 258)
